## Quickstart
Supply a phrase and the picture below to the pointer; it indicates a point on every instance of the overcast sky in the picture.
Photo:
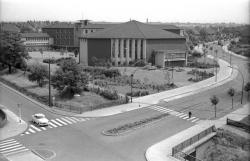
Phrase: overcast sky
(203, 11)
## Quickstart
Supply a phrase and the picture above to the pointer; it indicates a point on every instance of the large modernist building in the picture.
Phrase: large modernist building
(66, 35)
(131, 41)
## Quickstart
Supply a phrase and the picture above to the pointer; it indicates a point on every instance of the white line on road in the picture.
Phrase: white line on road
(27, 132)
(191, 118)
(32, 130)
(71, 119)
(37, 129)
(64, 119)
(195, 120)
(7, 140)
(19, 151)
(4, 146)
(43, 128)
(14, 141)
(56, 123)
(183, 115)
(179, 114)
(61, 122)
(4, 149)
(50, 123)
(75, 119)
(13, 150)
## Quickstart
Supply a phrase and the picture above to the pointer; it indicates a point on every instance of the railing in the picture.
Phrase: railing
(186, 157)
(192, 140)
(68, 108)
(238, 124)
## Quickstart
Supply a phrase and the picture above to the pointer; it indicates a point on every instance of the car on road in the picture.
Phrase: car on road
(40, 119)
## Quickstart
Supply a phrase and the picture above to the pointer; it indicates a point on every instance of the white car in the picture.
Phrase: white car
(40, 119)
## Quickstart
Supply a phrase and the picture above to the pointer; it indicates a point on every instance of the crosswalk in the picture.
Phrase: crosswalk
(54, 123)
(175, 113)
(11, 147)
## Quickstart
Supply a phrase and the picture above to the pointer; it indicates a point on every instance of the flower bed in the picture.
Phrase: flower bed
(132, 126)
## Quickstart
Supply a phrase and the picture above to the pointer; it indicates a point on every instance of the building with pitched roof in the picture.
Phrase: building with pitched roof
(132, 41)
(36, 41)
(9, 27)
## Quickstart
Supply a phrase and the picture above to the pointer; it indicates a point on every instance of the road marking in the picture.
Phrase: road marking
(53, 125)
(4, 146)
(191, 118)
(75, 119)
(43, 128)
(82, 119)
(32, 130)
(158, 109)
(183, 115)
(61, 122)
(179, 114)
(56, 123)
(195, 120)
(64, 119)
(19, 151)
(27, 132)
(37, 129)
(12, 150)
(87, 118)
(4, 149)
(71, 119)
(7, 140)
(50, 126)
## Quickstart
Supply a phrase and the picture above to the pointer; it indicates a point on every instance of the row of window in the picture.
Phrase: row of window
(36, 44)
(37, 38)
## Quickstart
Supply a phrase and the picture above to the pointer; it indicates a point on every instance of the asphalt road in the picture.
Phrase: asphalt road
(85, 141)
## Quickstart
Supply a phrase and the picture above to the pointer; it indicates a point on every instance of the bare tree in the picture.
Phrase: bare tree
(231, 93)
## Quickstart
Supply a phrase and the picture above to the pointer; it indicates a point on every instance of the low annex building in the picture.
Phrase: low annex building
(36, 41)
(129, 42)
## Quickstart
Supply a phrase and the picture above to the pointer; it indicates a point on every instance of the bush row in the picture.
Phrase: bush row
(138, 93)
(202, 65)
(111, 95)
(55, 61)
(127, 127)
(98, 71)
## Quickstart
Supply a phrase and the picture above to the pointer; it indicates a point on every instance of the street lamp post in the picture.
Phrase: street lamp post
(172, 56)
(131, 76)
(20, 112)
(242, 82)
(49, 85)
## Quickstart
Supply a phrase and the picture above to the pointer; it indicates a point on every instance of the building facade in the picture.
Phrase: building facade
(133, 41)
(36, 41)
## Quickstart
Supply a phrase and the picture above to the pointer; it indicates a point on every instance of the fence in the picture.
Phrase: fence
(192, 140)
(186, 157)
(238, 124)
(68, 108)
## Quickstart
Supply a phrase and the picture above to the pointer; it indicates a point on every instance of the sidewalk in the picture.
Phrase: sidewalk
(225, 48)
(13, 127)
(224, 75)
(162, 151)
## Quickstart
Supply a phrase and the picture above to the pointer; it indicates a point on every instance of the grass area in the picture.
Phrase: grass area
(134, 125)
(227, 146)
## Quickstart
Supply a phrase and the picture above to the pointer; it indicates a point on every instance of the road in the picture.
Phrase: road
(83, 139)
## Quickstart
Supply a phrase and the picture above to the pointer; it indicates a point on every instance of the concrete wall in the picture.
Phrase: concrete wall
(99, 48)
(165, 44)
(83, 51)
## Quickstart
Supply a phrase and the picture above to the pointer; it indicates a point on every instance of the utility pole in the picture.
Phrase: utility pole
(49, 85)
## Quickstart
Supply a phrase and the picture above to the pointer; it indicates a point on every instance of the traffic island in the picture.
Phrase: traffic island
(124, 129)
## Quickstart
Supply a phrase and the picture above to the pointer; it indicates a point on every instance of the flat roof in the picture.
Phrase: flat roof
(35, 35)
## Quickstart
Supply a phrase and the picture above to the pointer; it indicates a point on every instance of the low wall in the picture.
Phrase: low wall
(3, 118)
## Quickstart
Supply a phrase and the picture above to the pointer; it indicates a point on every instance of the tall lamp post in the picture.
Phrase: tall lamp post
(20, 112)
(49, 85)
(242, 82)
(131, 84)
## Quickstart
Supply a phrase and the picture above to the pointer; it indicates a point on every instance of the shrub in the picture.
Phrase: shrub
(51, 61)
(38, 73)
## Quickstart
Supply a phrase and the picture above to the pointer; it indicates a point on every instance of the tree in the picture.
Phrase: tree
(38, 73)
(214, 100)
(247, 89)
(68, 65)
(231, 93)
(12, 50)
(69, 81)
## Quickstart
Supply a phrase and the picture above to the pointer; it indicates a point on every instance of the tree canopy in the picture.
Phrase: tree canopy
(12, 50)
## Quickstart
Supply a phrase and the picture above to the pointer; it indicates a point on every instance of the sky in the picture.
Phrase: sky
(196, 11)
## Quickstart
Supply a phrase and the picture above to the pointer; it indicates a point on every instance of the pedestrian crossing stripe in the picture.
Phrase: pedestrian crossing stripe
(175, 113)
(11, 146)
(53, 123)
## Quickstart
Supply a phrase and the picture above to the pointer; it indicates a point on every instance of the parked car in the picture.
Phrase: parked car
(40, 119)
